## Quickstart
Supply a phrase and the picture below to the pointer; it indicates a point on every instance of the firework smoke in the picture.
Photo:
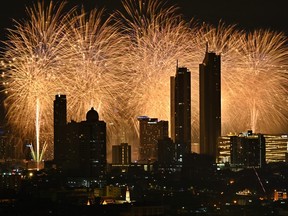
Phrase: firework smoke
(122, 66)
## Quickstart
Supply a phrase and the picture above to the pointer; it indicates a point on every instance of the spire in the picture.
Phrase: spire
(127, 197)
(206, 46)
(176, 64)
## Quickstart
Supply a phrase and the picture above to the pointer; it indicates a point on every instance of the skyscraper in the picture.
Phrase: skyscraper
(180, 89)
(151, 130)
(210, 103)
(60, 121)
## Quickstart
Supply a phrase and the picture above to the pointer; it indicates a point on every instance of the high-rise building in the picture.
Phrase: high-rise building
(151, 130)
(60, 121)
(121, 154)
(210, 103)
(180, 90)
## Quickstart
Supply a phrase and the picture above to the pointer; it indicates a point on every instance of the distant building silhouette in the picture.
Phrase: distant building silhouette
(151, 130)
(60, 121)
(180, 90)
(210, 103)
(121, 154)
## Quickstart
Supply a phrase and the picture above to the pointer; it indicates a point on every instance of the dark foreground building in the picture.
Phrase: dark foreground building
(181, 112)
(80, 147)
(210, 103)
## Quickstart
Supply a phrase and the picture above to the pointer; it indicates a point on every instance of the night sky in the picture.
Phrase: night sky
(247, 14)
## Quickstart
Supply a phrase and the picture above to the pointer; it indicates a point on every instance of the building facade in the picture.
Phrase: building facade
(150, 131)
(180, 90)
(121, 154)
(210, 103)
(79, 147)
(60, 121)
(248, 150)
(276, 148)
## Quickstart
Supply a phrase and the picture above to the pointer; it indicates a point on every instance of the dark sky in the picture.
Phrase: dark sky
(247, 14)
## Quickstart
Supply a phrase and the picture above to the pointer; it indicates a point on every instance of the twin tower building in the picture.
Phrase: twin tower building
(82, 145)
(210, 107)
(155, 145)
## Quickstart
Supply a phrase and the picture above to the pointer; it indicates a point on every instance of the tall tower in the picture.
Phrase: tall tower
(60, 121)
(210, 103)
(151, 130)
(180, 87)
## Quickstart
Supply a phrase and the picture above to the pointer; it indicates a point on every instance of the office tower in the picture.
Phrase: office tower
(92, 145)
(180, 90)
(151, 130)
(121, 154)
(60, 121)
(210, 103)
(248, 150)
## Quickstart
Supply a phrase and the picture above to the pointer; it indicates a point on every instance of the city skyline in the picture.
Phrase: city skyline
(151, 55)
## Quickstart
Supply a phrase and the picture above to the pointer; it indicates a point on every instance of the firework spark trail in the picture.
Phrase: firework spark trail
(265, 55)
(94, 78)
(158, 39)
(126, 75)
(34, 52)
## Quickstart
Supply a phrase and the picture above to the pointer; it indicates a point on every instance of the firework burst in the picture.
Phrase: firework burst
(122, 66)
(158, 39)
(94, 77)
(32, 60)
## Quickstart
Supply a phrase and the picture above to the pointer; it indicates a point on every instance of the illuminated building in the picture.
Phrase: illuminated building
(210, 103)
(121, 154)
(223, 155)
(151, 130)
(180, 90)
(60, 121)
(280, 195)
(276, 148)
(247, 150)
